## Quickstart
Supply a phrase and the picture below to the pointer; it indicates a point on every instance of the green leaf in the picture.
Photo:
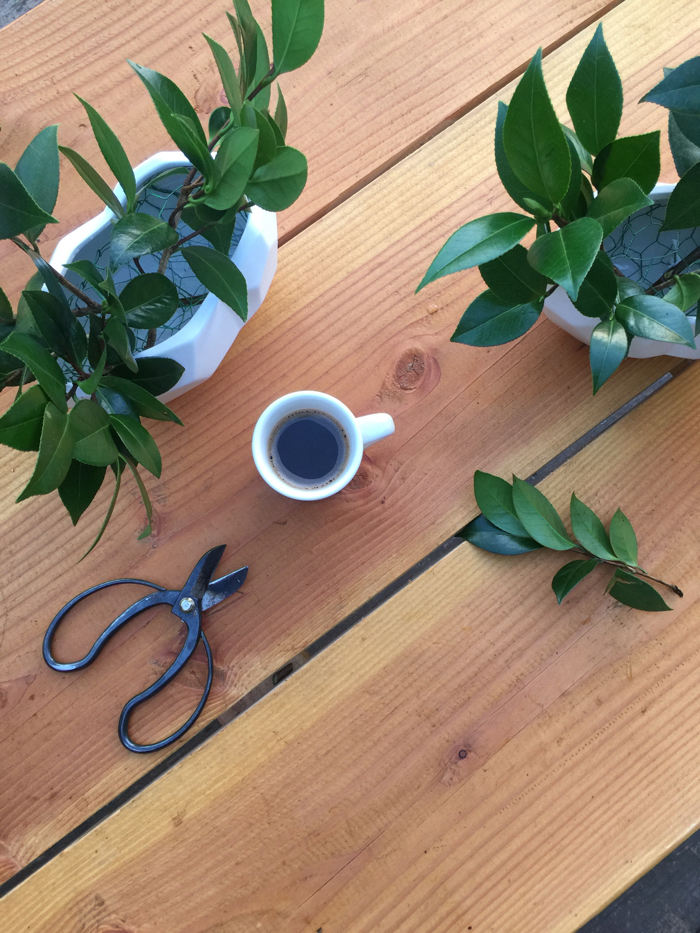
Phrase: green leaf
(113, 153)
(262, 70)
(42, 364)
(114, 403)
(679, 90)
(156, 374)
(512, 278)
(149, 300)
(534, 141)
(487, 536)
(570, 199)
(627, 287)
(635, 157)
(116, 334)
(235, 156)
(494, 496)
(277, 185)
(623, 538)
(138, 234)
(566, 255)
(144, 497)
(584, 156)
(220, 236)
(49, 279)
(19, 212)
(220, 276)
(631, 591)
(477, 243)
(38, 171)
(266, 144)
(281, 118)
(58, 326)
(138, 442)
(88, 271)
(609, 345)
(655, 319)
(566, 578)
(20, 426)
(598, 290)
(296, 31)
(616, 202)
(685, 291)
(110, 509)
(589, 530)
(55, 450)
(520, 193)
(89, 385)
(489, 322)
(689, 125)
(686, 153)
(539, 517)
(683, 208)
(80, 487)
(217, 120)
(145, 404)
(6, 315)
(93, 437)
(94, 180)
(227, 73)
(594, 96)
(248, 37)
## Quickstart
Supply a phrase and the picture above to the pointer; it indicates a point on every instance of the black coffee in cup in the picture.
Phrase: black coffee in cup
(308, 449)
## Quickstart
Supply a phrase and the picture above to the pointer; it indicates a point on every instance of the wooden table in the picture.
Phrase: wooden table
(455, 753)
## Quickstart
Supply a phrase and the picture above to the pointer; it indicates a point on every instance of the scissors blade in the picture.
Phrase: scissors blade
(200, 578)
(220, 589)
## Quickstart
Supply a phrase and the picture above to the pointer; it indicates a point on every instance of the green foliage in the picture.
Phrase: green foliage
(635, 157)
(565, 256)
(609, 346)
(489, 322)
(594, 96)
(82, 390)
(519, 518)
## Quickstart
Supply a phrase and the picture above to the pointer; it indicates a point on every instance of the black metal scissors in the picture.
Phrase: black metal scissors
(196, 596)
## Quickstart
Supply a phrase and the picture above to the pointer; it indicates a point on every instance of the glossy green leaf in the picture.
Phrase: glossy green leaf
(38, 170)
(623, 538)
(680, 89)
(55, 451)
(594, 96)
(110, 509)
(655, 319)
(220, 236)
(112, 152)
(635, 157)
(566, 578)
(266, 143)
(94, 180)
(116, 335)
(114, 403)
(570, 199)
(217, 121)
(220, 276)
(6, 315)
(246, 36)
(616, 202)
(512, 278)
(156, 374)
(19, 212)
(89, 385)
(138, 442)
(631, 591)
(58, 326)
(598, 290)
(281, 118)
(50, 280)
(138, 234)
(489, 322)
(88, 271)
(494, 496)
(143, 401)
(534, 141)
(94, 444)
(149, 300)
(483, 534)
(566, 255)
(627, 287)
(685, 152)
(20, 426)
(609, 345)
(144, 496)
(685, 291)
(584, 156)
(262, 77)
(80, 487)
(277, 185)
(227, 73)
(236, 156)
(689, 126)
(296, 31)
(477, 243)
(523, 196)
(42, 364)
(683, 208)
(539, 517)
(589, 530)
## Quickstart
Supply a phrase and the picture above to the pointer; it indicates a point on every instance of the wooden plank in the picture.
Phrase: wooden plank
(469, 757)
(341, 317)
(385, 77)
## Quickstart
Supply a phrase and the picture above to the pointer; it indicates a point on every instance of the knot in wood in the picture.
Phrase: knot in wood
(410, 369)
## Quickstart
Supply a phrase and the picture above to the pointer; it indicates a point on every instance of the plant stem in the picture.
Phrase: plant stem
(192, 235)
(61, 279)
(666, 279)
(138, 265)
(260, 86)
(636, 571)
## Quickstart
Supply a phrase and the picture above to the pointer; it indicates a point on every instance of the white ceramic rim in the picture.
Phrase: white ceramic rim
(297, 401)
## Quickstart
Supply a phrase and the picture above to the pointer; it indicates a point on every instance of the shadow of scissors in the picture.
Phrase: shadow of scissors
(188, 604)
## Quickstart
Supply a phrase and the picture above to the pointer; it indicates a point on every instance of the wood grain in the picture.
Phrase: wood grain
(469, 757)
(384, 78)
(341, 317)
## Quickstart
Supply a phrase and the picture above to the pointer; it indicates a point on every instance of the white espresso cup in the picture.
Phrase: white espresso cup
(352, 435)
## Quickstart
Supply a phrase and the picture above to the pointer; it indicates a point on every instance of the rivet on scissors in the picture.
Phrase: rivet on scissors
(187, 604)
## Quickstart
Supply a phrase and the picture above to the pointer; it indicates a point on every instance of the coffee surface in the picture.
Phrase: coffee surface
(308, 449)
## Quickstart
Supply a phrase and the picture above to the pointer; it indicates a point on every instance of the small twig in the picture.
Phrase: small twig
(666, 279)
(191, 236)
(636, 571)
(93, 305)
(151, 338)
(138, 265)
(261, 86)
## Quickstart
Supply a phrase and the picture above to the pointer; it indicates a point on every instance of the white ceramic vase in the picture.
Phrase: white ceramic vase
(649, 247)
(203, 341)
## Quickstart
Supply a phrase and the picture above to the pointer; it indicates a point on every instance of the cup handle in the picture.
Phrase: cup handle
(374, 427)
